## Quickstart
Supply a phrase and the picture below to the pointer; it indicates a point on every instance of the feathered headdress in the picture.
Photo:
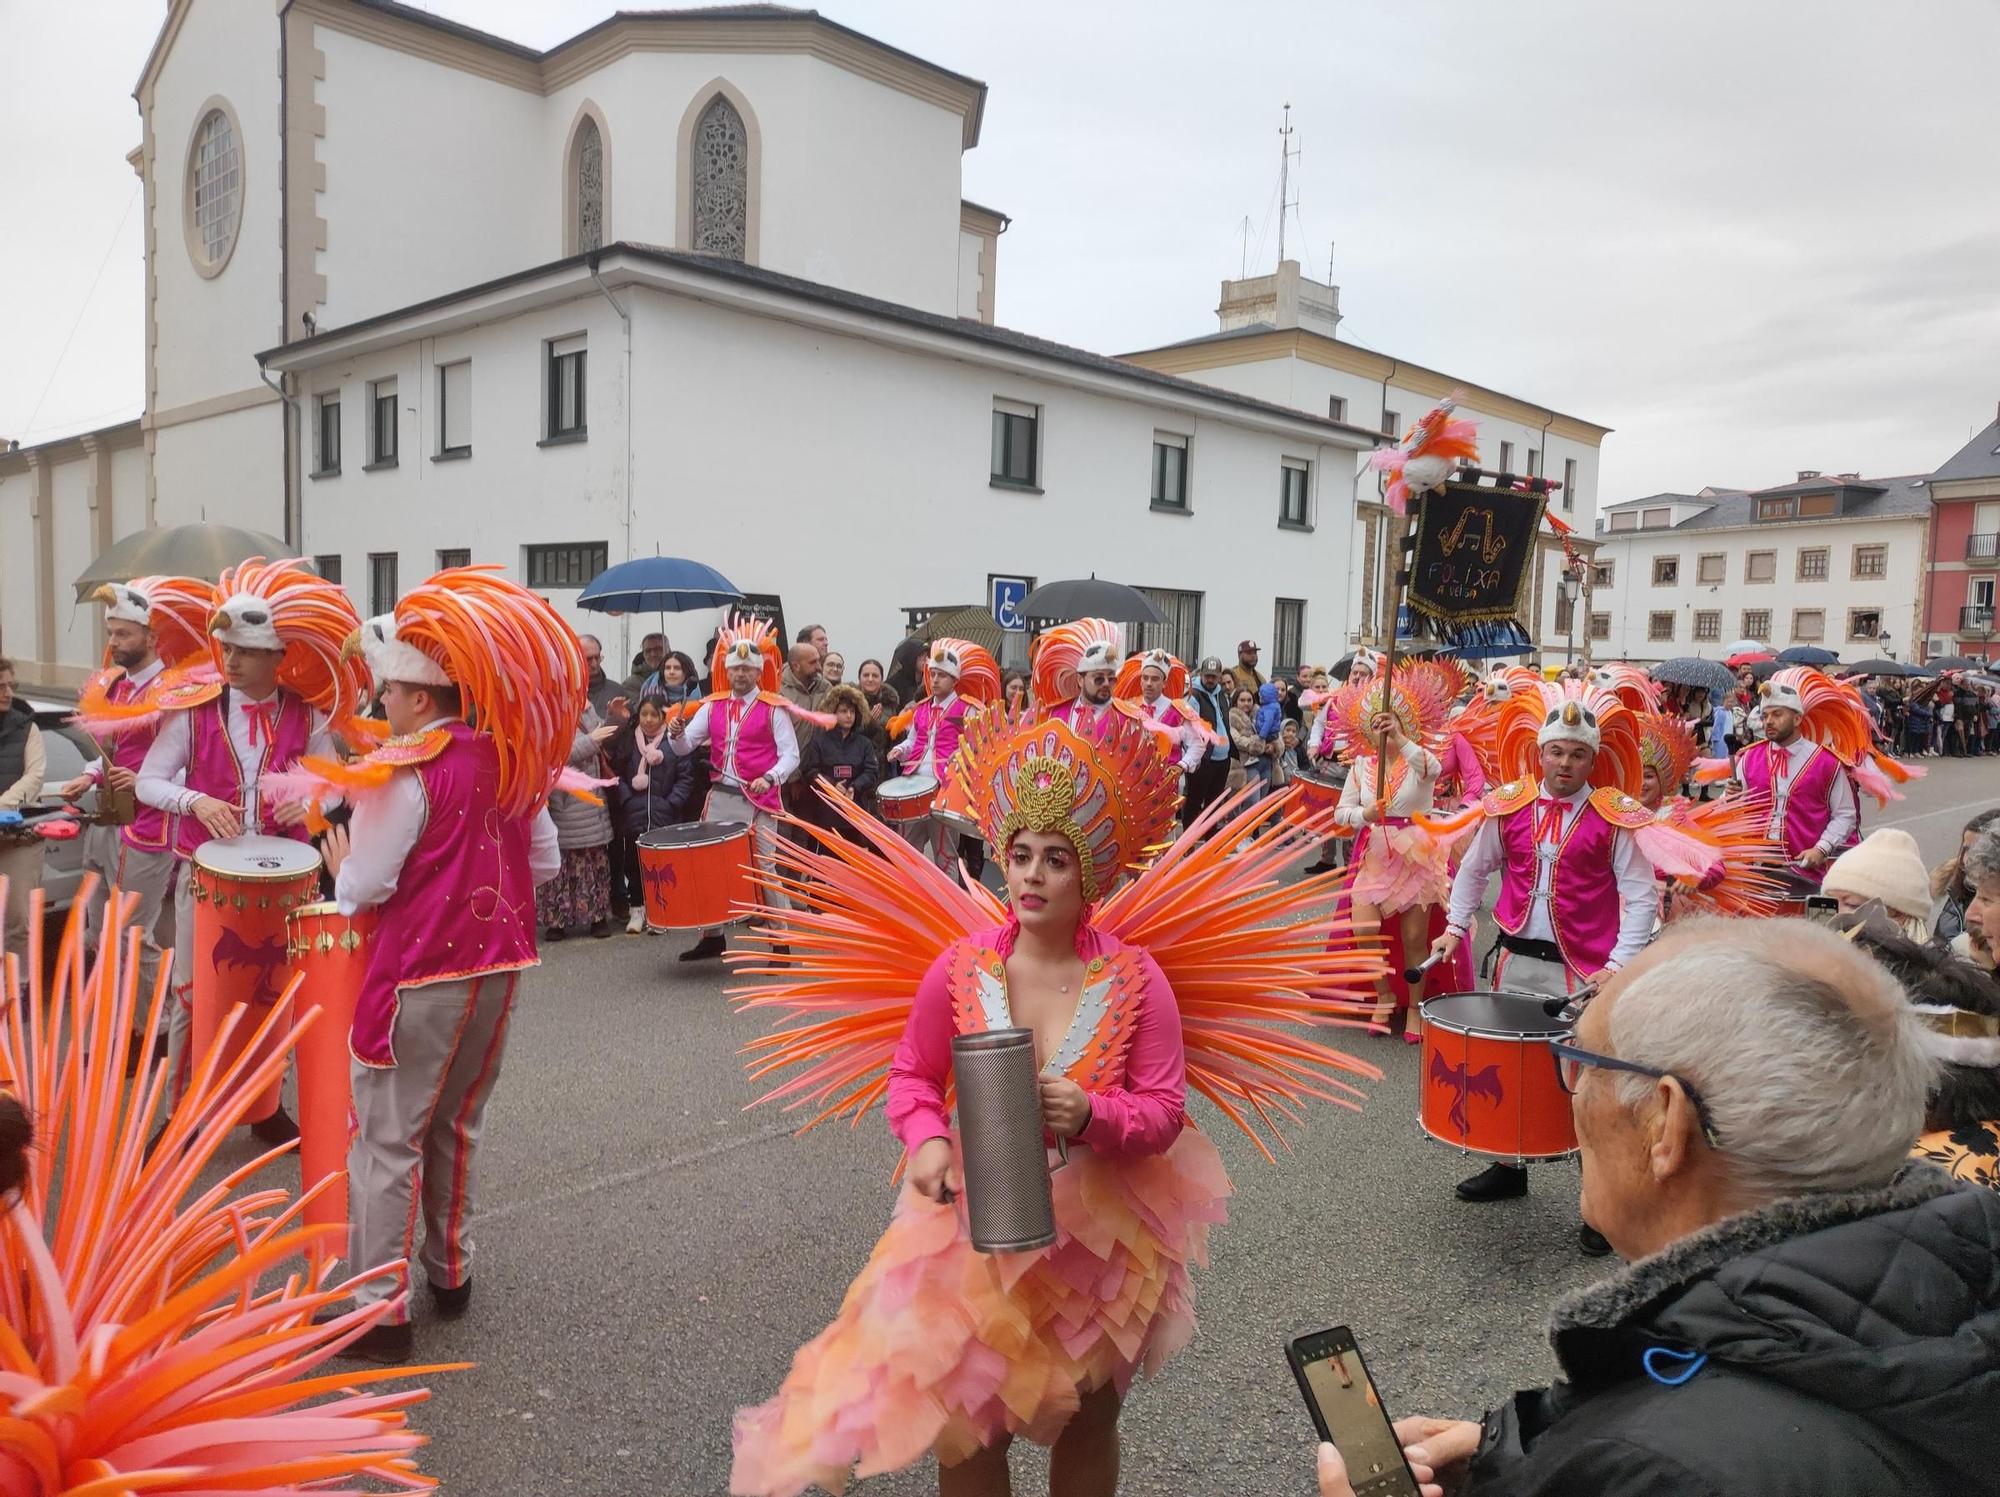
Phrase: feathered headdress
(1667, 747)
(280, 605)
(1419, 696)
(1831, 714)
(1068, 651)
(1428, 454)
(1629, 683)
(746, 640)
(1128, 687)
(176, 609)
(1540, 711)
(971, 665)
(1114, 797)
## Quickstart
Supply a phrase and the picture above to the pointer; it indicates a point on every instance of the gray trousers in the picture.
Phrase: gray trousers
(150, 875)
(417, 1131)
(1526, 974)
(21, 866)
(730, 805)
(180, 1001)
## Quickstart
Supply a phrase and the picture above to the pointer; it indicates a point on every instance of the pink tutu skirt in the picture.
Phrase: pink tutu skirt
(1401, 867)
(939, 1348)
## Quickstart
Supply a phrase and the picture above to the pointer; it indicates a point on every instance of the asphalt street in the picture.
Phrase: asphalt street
(651, 1253)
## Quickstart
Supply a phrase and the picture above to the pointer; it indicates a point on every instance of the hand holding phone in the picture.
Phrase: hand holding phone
(1348, 1412)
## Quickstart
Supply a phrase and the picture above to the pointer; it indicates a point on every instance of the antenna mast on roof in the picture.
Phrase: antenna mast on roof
(1286, 202)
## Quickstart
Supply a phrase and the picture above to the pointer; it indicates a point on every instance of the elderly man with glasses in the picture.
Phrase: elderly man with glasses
(1801, 1312)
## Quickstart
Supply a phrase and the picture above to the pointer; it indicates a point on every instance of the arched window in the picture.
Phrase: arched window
(589, 227)
(719, 168)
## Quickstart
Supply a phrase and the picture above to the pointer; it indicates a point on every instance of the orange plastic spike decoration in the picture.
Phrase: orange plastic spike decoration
(156, 1336)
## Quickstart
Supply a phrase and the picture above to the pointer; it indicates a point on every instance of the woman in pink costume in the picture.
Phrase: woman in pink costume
(1172, 983)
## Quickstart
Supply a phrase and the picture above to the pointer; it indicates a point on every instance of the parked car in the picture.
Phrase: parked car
(67, 750)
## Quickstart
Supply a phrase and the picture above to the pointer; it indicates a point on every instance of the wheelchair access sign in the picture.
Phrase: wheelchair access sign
(1004, 595)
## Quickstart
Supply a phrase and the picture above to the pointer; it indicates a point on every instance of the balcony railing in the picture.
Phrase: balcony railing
(1975, 621)
(1983, 547)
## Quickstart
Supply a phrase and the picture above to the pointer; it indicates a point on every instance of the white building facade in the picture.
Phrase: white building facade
(1832, 560)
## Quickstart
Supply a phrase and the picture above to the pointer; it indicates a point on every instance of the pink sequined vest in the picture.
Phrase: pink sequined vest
(1583, 890)
(465, 899)
(212, 768)
(756, 745)
(949, 726)
(1805, 809)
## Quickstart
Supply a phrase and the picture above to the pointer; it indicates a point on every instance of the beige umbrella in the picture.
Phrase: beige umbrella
(203, 551)
(968, 622)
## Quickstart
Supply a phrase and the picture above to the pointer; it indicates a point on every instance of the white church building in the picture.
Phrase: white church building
(693, 282)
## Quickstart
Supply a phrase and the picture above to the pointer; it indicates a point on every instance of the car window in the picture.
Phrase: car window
(65, 750)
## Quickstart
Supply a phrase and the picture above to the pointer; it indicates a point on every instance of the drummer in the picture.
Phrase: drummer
(430, 1025)
(216, 738)
(936, 725)
(1147, 689)
(754, 750)
(1815, 812)
(1552, 847)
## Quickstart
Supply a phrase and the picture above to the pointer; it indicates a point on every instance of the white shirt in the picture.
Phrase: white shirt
(725, 760)
(138, 678)
(167, 763)
(1841, 800)
(1412, 796)
(1085, 714)
(385, 828)
(1186, 734)
(928, 763)
(1638, 893)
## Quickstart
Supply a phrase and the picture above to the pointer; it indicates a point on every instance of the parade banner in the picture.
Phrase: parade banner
(1474, 549)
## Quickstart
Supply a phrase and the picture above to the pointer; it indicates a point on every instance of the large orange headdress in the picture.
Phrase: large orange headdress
(280, 605)
(1667, 747)
(1540, 712)
(745, 640)
(1832, 715)
(517, 665)
(1070, 650)
(176, 609)
(1420, 697)
(971, 665)
(1114, 796)
(1169, 666)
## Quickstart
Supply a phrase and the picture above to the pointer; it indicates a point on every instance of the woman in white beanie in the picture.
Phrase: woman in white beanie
(1885, 865)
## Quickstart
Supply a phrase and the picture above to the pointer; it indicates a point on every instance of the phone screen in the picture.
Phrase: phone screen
(1348, 1411)
(1822, 908)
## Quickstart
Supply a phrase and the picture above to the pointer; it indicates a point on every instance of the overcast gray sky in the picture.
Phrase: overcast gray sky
(1752, 237)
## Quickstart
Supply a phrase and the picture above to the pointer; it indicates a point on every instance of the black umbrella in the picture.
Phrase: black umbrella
(1880, 668)
(1808, 655)
(1089, 598)
(1763, 670)
(1955, 663)
(1691, 670)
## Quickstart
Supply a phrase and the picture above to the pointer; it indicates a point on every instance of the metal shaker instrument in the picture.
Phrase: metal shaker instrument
(1008, 1199)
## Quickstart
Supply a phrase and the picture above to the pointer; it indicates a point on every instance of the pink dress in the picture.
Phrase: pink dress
(939, 1348)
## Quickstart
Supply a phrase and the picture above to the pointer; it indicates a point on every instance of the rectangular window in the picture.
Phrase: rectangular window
(1170, 471)
(1657, 519)
(564, 566)
(1534, 462)
(326, 422)
(568, 402)
(1813, 564)
(1808, 625)
(1864, 623)
(1777, 509)
(1660, 626)
(1016, 443)
(1600, 626)
(1295, 494)
(1625, 519)
(382, 425)
(1871, 561)
(382, 590)
(1288, 636)
(1666, 571)
(1757, 624)
(1760, 566)
(1181, 633)
(1708, 624)
(455, 409)
(1818, 506)
(328, 567)
(1712, 568)
(1569, 483)
(1601, 573)
(1392, 423)
(1506, 457)
(1336, 408)
(1565, 613)
(454, 556)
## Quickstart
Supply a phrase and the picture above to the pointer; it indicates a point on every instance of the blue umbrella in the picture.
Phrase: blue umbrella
(1807, 655)
(658, 584)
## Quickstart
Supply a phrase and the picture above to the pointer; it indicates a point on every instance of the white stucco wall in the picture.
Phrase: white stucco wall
(128, 491)
(209, 329)
(969, 287)
(849, 478)
(18, 589)
(227, 468)
(76, 626)
(1632, 597)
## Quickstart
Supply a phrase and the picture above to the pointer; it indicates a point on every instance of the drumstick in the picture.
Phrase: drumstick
(1415, 974)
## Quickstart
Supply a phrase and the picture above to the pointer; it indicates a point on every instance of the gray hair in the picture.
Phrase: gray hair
(1811, 1062)
(1981, 864)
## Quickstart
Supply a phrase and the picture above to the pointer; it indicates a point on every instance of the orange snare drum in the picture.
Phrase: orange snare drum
(906, 798)
(329, 952)
(696, 874)
(1489, 1077)
(1319, 789)
(243, 889)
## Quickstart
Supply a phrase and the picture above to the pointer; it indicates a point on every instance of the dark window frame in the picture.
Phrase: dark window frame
(328, 566)
(1164, 454)
(384, 425)
(453, 556)
(564, 564)
(447, 448)
(1004, 459)
(557, 365)
(1287, 519)
(1181, 633)
(323, 406)
(1284, 660)
(383, 588)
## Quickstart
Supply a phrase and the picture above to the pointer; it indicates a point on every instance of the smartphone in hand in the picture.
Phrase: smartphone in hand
(1348, 1412)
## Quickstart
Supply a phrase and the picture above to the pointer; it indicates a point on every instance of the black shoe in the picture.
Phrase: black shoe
(706, 949)
(1591, 1242)
(451, 1303)
(554, 933)
(1497, 1182)
(383, 1343)
(599, 929)
(278, 1128)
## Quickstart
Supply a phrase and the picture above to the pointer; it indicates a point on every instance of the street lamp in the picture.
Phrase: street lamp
(1572, 584)
(1882, 640)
